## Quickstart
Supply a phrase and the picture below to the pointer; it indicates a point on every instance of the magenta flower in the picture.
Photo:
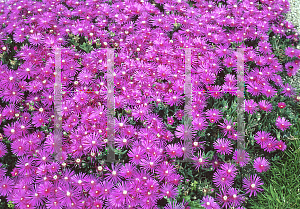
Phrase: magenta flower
(268, 91)
(150, 163)
(179, 114)
(164, 171)
(288, 90)
(174, 99)
(222, 180)
(262, 137)
(174, 150)
(12, 95)
(199, 124)
(224, 198)
(236, 199)
(170, 120)
(241, 157)
(261, 164)
(250, 106)
(254, 88)
(180, 132)
(213, 115)
(19, 147)
(228, 169)
(282, 123)
(227, 126)
(168, 190)
(252, 185)
(223, 146)
(39, 119)
(199, 161)
(265, 105)
(281, 145)
(92, 143)
(6, 186)
(209, 202)
(215, 162)
(3, 149)
(270, 145)
(281, 105)
(114, 173)
(121, 194)
(68, 195)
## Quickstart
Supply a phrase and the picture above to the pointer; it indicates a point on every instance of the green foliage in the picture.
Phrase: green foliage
(282, 181)
(10, 204)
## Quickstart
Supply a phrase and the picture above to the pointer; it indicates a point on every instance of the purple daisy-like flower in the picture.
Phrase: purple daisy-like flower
(241, 157)
(288, 90)
(223, 146)
(12, 95)
(3, 149)
(252, 184)
(19, 147)
(36, 39)
(85, 77)
(262, 137)
(179, 114)
(123, 141)
(168, 190)
(268, 91)
(96, 191)
(39, 119)
(127, 171)
(222, 180)
(136, 154)
(174, 99)
(68, 195)
(224, 198)
(216, 162)
(236, 199)
(227, 126)
(199, 161)
(121, 194)
(228, 169)
(6, 186)
(114, 173)
(164, 171)
(200, 123)
(209, 202)
(282, 123)
(265, 106)
(261, 164)
(270, 145)
(281, 145)
(26, 71)
(250, 106)
(106, 189)
(174, 150)
(91, 143)
(213, 115)
(182, 133)
(34, 86)
(11, 132)
(35, 198)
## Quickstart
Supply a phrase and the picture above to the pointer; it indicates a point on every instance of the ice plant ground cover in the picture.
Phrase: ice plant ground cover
(148, 37)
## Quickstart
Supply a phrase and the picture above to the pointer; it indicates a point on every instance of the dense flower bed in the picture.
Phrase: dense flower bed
(149, 98)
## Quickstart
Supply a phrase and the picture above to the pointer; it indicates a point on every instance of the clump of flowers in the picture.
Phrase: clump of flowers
(149, 75)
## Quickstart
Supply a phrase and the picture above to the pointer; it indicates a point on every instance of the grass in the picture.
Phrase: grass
(282, 181)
